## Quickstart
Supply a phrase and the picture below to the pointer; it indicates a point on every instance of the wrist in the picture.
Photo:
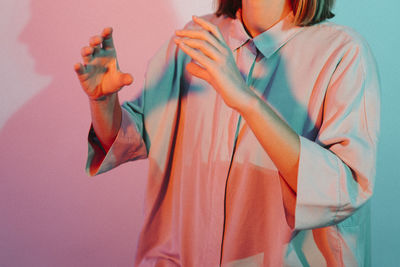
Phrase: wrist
(248, 102)
(103, 98)
(95, 99)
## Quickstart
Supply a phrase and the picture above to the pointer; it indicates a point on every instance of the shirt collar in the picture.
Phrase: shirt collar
(267, 42)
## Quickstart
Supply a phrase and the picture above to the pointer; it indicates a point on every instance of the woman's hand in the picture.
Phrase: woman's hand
(214, 62)
(99, 74)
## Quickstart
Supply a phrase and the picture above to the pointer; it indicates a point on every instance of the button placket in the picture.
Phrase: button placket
(253, 54)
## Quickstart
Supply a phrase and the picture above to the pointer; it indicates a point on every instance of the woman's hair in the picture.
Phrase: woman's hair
(306, 12)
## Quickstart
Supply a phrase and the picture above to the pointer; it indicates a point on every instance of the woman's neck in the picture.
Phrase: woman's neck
(260, 15)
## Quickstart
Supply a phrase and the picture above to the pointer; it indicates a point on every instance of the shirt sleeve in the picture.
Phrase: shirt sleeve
(148, 120)
(128, 144)
(337, 170)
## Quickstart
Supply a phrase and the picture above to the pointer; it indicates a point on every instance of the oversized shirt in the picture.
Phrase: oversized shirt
(214, 197)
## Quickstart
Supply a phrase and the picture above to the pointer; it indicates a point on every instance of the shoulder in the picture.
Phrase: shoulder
(335, 43)
(335, 37)
(329, 28)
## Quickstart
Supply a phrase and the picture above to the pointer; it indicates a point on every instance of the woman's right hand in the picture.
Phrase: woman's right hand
(99, 74)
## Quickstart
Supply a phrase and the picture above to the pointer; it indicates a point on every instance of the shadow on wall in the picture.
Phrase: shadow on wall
(52, 213)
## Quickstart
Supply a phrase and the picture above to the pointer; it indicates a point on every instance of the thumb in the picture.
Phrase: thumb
(122, 78)
(125, 79)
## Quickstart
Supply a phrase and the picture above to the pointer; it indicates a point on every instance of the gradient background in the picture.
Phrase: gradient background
(51, 213)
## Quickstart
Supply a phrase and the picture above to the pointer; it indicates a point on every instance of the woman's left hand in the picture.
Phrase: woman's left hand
(214, 62)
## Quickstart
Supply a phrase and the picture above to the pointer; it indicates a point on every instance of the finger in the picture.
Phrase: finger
(108, 42)
(95, 42)
(202, 35)
(196, 55)
(87, 54)
(203, 46)
(79, 69)
(209, 27)
(198, 71)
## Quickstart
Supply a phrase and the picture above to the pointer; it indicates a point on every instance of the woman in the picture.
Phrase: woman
(260, 124)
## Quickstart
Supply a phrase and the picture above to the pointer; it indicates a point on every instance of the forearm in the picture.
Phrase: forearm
(217, 66)
(106, 119)
(276, 137)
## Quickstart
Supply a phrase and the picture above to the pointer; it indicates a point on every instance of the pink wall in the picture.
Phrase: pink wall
(52, 214)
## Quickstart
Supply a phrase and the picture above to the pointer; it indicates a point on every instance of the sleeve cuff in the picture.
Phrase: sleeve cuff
(128, 145)
(317, 186)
